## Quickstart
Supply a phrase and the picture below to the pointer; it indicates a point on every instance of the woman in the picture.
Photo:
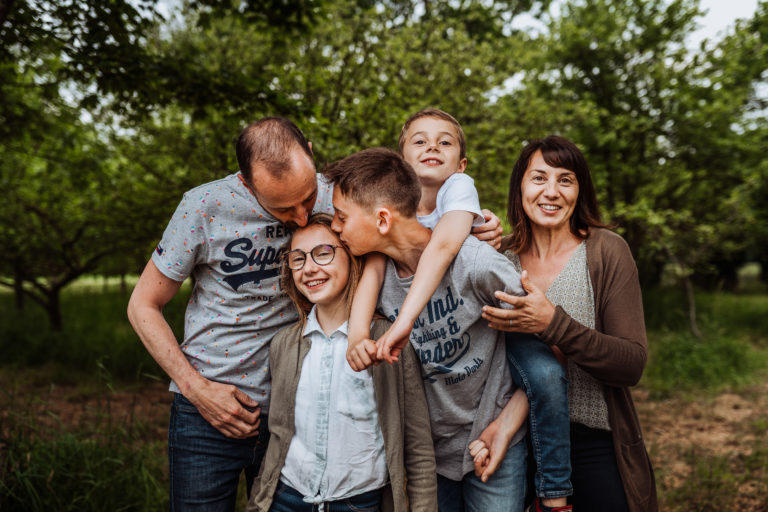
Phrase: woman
(591, 314)
(340, 440)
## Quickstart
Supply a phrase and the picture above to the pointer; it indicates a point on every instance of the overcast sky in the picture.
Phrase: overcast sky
(720, 15)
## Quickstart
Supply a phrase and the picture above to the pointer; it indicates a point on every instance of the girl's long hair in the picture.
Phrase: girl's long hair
(286, 274)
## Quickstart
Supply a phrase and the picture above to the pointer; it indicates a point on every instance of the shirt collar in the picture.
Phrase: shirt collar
(313, 326)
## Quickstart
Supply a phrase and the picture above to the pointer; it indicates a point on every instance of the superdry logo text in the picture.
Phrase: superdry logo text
(262, 263)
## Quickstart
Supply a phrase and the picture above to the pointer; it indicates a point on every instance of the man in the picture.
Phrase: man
(466, 378)
(227, 234)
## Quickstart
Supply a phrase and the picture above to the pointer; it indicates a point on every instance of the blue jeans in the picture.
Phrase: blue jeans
(204, 464)
(504, 490)
(536, 371)
(288, 499)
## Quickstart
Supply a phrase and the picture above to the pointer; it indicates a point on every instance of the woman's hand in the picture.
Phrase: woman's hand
(533, 313)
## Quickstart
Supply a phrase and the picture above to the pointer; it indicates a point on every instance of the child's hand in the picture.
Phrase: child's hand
(481, 455)
(362, 354)
(393, 342)
(489, 449)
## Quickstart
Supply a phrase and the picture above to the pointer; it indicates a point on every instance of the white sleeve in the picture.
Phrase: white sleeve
(459, 193)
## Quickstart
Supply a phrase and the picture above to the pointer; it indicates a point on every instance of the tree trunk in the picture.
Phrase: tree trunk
(688, 285)
(18, 291)
(53, 308)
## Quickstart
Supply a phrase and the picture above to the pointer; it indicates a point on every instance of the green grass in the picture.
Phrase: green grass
(722, 482)
(99, 464)
(96, 336)
(108, 466)
(733, 351)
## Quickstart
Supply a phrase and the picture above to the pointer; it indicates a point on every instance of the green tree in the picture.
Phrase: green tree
(663, 128)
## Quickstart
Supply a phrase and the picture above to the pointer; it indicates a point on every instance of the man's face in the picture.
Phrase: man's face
(291, 197)
(356, 226)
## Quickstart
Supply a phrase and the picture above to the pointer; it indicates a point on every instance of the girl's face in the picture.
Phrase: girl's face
(320, 284)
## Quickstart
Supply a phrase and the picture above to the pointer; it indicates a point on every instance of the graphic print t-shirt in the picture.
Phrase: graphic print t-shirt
(230, 245)
(463, 362)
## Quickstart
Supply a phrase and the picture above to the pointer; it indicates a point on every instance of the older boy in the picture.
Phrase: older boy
(467, 380)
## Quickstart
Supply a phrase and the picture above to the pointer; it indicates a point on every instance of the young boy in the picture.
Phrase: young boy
(433, 143)
(469, 391)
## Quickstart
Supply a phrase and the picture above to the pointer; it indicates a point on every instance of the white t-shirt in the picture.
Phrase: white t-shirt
(457, 193)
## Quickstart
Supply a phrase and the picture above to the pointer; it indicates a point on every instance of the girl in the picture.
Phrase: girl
(340, 440)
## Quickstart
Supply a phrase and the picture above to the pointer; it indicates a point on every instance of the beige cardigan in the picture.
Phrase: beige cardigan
(614, 353)
(403, 417)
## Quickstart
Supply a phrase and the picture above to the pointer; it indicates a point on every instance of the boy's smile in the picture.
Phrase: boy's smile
(432, 149)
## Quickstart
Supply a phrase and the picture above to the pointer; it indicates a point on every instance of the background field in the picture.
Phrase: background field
(85, 410)
(111, 110)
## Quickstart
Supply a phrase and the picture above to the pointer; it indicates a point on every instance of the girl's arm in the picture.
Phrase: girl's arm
(447, 237)
(361, 351)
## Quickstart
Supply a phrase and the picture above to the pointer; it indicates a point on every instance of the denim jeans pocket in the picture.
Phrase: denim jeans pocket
(366, 502)
(183, 405)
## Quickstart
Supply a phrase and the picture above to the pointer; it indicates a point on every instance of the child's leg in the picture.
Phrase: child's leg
(536, 370)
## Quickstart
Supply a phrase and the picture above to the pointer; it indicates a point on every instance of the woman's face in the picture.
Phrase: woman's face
(321, 284)
(549, 193)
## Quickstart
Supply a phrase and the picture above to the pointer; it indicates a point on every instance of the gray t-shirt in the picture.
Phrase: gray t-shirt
(222, 237)
(466, 376)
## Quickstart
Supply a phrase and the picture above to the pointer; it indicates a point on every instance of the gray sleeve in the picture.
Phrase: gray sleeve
(491, 271)
(183, 245)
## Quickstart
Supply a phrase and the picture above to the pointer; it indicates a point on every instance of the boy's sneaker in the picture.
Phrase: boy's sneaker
(539, 507)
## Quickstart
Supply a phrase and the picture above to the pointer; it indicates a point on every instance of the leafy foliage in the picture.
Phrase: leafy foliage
(124, 110)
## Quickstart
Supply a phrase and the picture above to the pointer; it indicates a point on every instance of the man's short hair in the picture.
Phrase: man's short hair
(377, 177)
(439, 114)
(269, 142)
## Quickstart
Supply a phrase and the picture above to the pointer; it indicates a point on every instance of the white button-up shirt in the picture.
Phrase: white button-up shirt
(337, 450)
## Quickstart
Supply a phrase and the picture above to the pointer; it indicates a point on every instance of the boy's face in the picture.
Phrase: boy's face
(356, 226)
(432, 148)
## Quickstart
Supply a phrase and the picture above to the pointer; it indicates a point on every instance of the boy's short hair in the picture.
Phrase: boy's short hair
(377, 176)
(440, 114)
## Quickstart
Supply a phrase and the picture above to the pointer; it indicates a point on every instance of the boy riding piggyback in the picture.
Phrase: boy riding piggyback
(466, 379)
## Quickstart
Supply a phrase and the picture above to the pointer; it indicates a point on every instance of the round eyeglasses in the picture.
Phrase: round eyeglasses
(321, 254)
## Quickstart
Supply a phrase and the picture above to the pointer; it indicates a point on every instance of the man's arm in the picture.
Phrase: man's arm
(491, 231)
(220, 404)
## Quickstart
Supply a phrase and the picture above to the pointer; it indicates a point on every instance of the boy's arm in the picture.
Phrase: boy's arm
(447, 237)
(361, 351)
(491, 447)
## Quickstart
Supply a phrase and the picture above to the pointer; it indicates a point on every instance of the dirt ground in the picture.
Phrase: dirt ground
(727, 425)
(724, 427)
